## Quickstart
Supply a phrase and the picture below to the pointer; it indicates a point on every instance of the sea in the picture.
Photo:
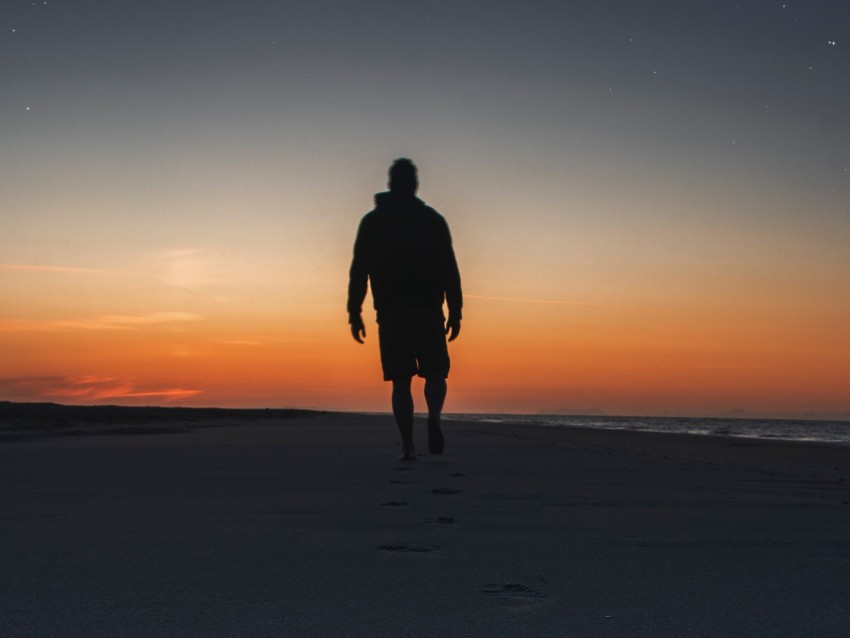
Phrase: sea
(821, 431)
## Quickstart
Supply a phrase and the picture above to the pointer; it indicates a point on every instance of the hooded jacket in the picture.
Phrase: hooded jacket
(404, 249)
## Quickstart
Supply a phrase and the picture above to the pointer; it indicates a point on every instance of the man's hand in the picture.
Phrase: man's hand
(358, 330)
(453, 327)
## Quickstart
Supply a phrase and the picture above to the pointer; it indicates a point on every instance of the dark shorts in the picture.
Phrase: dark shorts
(413, 343)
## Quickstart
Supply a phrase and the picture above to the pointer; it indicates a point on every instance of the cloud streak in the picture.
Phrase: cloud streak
(557, 302)
(88, 388)
(65, 270)
(130, 322)
(104, 322)
(188, 269)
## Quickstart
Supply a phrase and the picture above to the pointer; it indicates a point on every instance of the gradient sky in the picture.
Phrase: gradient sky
(650, 201)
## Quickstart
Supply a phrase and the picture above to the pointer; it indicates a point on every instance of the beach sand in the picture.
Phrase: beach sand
(306, 525)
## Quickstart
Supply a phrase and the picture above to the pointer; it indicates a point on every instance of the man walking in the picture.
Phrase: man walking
(404, 249)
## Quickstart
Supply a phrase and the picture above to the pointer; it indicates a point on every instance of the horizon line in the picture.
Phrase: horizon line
(729, 414)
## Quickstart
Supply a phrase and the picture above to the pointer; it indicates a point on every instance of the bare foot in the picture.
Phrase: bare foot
(436, 442)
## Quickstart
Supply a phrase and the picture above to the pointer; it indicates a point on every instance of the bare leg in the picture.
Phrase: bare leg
(435, 396)
(403, 412)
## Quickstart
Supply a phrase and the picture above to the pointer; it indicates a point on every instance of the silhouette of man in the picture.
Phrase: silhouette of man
(404, 249)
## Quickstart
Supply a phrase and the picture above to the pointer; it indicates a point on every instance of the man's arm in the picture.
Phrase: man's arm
(358, 282)
(454, 293)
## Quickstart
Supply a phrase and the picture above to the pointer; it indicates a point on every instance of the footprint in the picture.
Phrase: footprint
(404, 547)
(403, 482)
(446, 490)
(457, 474)
(404, 469)
(511, 591)
(393, 503)
(443, 520)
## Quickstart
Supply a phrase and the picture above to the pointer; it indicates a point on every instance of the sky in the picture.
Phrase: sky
(649, 201)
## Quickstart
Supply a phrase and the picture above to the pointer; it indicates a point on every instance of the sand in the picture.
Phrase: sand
(306, 525)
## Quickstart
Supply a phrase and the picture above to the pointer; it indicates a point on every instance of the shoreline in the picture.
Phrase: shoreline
(26, 421)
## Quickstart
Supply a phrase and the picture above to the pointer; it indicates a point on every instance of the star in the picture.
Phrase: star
(831, 43)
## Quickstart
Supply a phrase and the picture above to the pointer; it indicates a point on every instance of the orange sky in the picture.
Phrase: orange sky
(649, 206)
(93, 336)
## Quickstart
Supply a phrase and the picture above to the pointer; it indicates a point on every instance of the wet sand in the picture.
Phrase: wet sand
(305, 525)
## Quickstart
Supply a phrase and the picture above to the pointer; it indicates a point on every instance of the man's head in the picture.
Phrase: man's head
(403, 180)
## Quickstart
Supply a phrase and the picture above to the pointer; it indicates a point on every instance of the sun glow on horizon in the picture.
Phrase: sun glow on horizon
(514, 355)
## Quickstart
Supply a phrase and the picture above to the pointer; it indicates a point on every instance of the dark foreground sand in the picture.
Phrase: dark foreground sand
(307, 526)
